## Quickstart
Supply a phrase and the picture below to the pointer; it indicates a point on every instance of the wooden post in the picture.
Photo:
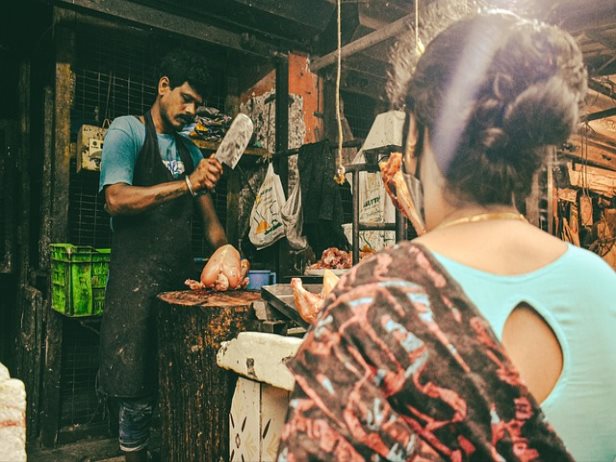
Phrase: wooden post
(64, 91)
(28, 354)
(194, 393)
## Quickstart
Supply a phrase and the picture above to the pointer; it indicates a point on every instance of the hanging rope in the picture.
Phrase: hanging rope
(340, 170)
(417, 27)
(419, 46)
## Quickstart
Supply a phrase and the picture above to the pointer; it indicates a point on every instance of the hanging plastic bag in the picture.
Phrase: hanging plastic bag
(293, 219)
(266, 225)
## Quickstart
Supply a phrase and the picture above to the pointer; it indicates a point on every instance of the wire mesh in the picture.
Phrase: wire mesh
(88, 221)
(79, 403)
(359, 111)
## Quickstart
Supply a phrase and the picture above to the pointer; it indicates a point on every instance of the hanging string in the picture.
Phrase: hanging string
(419, 47)
(417, 27)
(340, 170)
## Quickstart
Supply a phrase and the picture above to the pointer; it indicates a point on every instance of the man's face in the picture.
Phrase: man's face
(178, 104)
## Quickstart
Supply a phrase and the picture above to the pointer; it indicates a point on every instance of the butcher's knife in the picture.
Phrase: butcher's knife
(235, 141)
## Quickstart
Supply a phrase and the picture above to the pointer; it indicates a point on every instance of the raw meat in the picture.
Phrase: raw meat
(225, 270)
(334, 258)
(309, 305)
(398, 191)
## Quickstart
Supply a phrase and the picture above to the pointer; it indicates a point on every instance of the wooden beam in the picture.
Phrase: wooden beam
(378, 36)
(600, 88)
(366, 66)
(576, 16)
(599, 38)
(143, 15)
(606, 65)
(314, 13)
(599, 115)
(596, 179)
(8, 188)
(594, 153)
(354, 82)
(46, 186)
(63, 99)
(30, 300)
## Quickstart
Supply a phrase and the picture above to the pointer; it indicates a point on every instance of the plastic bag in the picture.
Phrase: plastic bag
(375, 206)
(266, 225)
(293, 219)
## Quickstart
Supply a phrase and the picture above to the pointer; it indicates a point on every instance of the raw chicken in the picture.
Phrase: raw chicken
(309, 305)
(334, 258)
(224, 271)
(398, 191)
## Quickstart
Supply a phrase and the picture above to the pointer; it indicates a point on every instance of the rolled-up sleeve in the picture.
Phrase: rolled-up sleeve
(119, 154)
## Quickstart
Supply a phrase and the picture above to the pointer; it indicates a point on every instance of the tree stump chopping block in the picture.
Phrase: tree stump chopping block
(194, 393)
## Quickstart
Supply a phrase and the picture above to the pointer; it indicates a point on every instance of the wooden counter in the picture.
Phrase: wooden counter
(195, 394)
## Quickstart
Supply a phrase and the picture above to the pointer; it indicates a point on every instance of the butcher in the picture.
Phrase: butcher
(153, 180)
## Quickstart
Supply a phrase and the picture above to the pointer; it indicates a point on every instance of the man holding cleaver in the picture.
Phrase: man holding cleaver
(152, 178)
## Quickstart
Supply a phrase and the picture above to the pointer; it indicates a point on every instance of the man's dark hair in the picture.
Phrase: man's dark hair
(185, 66)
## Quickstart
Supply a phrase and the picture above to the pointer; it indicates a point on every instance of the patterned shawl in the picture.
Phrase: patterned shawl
(400, 366)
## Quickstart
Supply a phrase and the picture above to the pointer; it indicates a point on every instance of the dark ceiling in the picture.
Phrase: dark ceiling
(264, 26)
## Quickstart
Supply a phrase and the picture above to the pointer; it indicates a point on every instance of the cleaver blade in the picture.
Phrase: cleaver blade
(235, 141)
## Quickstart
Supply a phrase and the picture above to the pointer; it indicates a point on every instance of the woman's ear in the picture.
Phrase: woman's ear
(164, 85)
(410, 148)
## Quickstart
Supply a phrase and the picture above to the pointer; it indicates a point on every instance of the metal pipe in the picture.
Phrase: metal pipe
(355, 243)
(282, 144)
(377, 226)
(599, 115)
(370, 168)
(356, 143)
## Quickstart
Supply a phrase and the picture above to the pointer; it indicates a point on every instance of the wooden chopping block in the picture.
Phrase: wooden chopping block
(194, 393)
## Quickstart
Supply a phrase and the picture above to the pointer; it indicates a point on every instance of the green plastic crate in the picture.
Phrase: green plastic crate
(78, 279)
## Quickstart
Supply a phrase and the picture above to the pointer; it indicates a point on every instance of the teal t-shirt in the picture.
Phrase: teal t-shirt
(576, 296)
(124, 141)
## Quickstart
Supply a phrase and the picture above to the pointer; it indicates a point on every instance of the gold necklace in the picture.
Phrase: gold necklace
(483, 217)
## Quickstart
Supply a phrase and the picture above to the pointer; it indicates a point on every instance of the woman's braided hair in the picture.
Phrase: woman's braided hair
(527, 96)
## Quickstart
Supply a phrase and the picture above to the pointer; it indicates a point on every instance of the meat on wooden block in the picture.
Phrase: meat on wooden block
(225, 270)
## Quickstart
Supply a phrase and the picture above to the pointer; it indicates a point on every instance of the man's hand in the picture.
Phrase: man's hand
(206, 175)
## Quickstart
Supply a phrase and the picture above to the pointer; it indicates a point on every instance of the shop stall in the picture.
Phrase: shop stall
(324, 157)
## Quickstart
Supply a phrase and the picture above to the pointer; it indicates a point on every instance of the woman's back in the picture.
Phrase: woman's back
(573, 292)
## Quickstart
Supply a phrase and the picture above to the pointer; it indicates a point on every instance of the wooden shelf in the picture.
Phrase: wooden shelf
(212, 146)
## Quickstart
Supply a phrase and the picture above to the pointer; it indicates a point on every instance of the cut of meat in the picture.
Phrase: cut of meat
(398, 191)
(329, 282)
(334, 258)
(307, 304)
(225, 270)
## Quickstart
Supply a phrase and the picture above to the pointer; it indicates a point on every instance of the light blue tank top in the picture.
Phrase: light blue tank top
(576, 295)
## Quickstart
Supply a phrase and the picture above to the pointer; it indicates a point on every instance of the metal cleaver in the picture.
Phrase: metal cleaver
(235, 141)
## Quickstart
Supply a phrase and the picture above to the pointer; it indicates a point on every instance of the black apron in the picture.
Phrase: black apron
(150, 254)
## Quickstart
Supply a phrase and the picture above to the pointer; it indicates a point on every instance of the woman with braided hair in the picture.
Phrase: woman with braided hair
(485, 339)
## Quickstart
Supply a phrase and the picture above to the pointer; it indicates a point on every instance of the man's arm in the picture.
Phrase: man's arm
(125, 199)
(213, 230)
